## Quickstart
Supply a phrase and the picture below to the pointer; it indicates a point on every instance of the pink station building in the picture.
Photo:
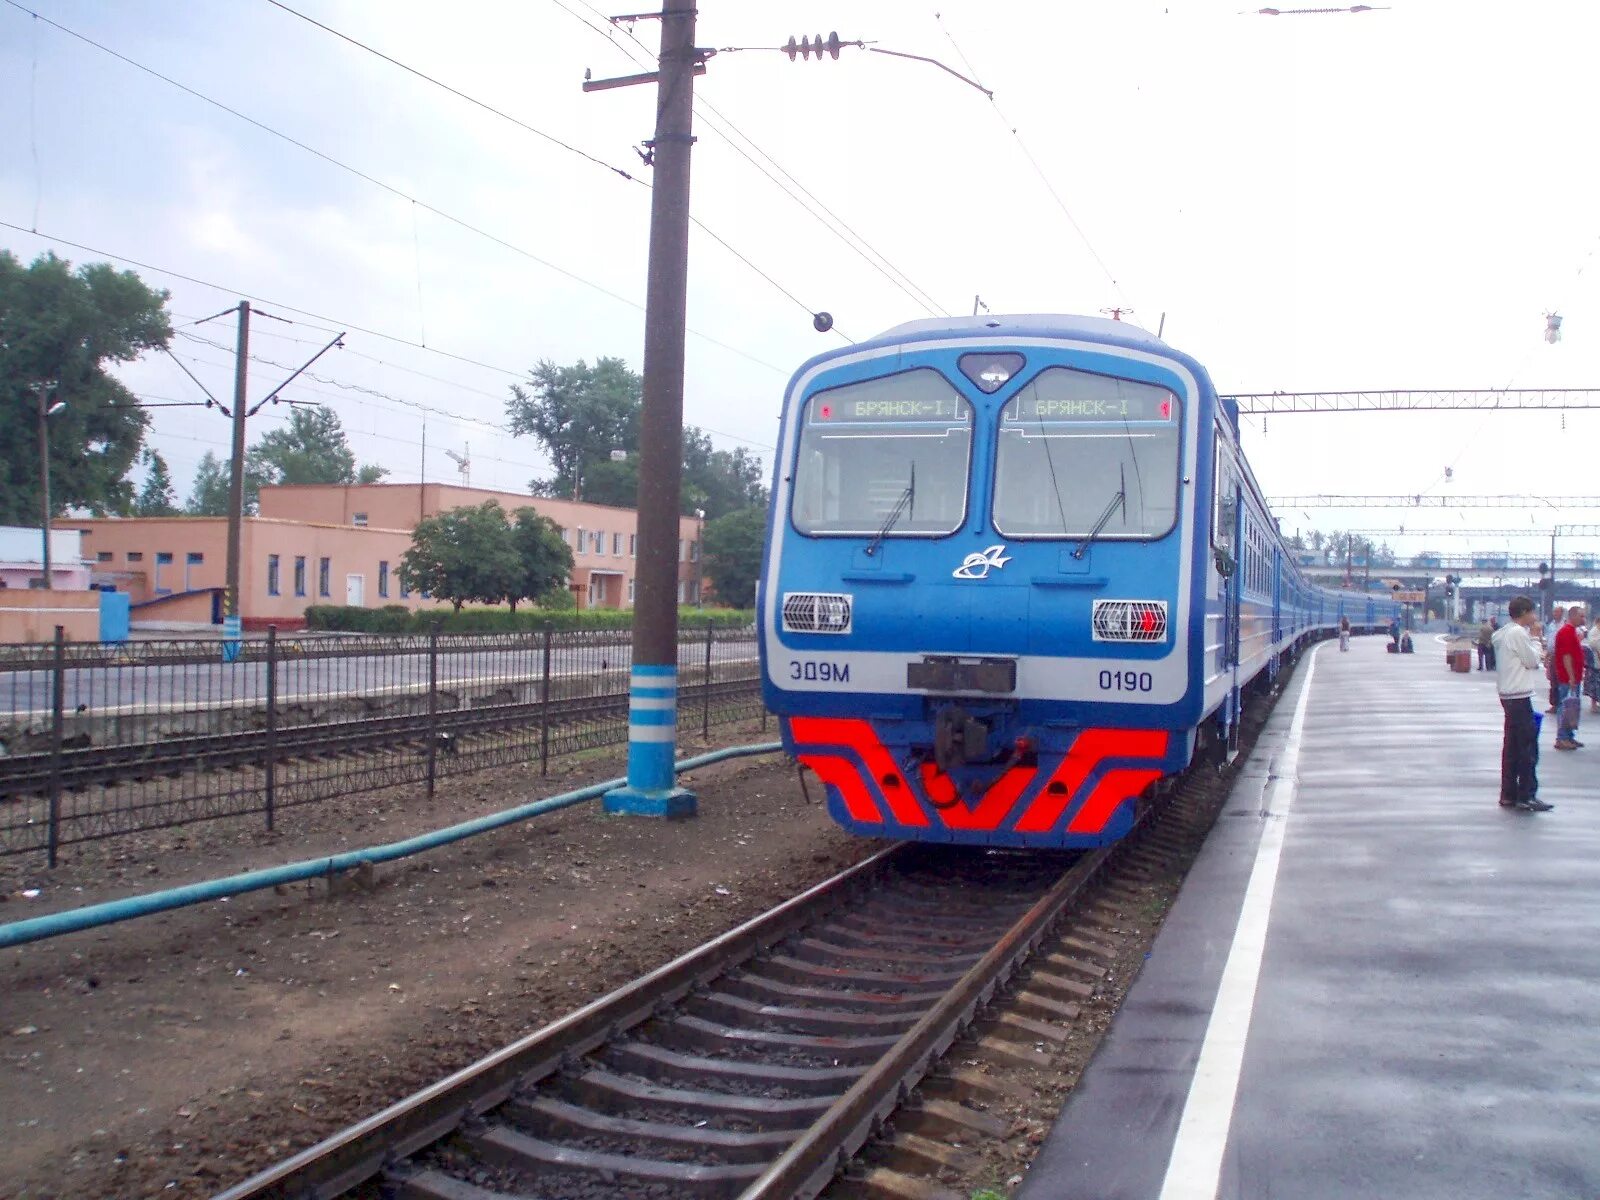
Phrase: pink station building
(341, 544)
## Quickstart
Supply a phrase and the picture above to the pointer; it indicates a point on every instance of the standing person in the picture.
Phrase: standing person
(1494, 625)
(1485, 637)
(1516, 673)
(1567, 671)
(1344, 635)
(1591, 674)
(1556, 618)
(1394, 631)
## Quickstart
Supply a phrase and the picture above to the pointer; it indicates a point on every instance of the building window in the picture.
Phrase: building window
(299, 574)
(694, 551)
(633, 545)
(681, 592)
(616, 545)
(359, 520)
(405, 590)
(630, 591)
(578, 545)
(599, 537)
(103, 556)
(191, 560)
(383, 579)
(163, 559)
(324, 577)
(272, 574)
(680, 550)
(135, 555)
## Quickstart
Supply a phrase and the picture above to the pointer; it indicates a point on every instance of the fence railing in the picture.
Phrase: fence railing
(101, 740)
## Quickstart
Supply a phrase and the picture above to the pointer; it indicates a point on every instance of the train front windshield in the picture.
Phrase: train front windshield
(888, 454)
(1081, 453)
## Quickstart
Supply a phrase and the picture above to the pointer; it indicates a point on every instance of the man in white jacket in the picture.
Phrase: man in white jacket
(1517, 673)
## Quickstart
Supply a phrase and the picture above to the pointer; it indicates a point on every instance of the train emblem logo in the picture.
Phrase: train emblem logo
(978, 566)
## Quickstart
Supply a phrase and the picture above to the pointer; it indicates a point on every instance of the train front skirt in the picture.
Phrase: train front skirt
(1083, 797)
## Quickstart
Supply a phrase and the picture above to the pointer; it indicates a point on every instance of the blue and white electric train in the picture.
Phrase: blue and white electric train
(1017, 571)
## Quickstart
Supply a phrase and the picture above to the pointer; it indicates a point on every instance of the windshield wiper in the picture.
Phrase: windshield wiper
(908, 499)
(1120, 499)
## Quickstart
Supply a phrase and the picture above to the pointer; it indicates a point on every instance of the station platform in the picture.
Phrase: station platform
(1375, 982)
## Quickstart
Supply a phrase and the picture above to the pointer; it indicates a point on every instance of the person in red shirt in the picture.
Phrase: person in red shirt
(1567, 672)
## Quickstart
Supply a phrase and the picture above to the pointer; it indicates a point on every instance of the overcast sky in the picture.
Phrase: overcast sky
(1384, 200)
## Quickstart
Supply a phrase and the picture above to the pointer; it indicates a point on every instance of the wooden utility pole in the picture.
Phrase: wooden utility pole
(653, 689)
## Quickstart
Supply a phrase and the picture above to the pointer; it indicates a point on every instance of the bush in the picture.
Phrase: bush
(395, 618)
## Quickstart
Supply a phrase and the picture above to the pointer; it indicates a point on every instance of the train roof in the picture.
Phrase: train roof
(1049, 324)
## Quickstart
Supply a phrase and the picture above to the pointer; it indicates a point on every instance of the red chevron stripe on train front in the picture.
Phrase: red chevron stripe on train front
(989, 812)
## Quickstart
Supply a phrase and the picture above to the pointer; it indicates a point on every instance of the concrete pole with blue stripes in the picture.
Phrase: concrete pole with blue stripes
(652, 788)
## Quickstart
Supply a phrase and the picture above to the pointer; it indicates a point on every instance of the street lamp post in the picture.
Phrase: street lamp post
(699, 557)
(46, 411)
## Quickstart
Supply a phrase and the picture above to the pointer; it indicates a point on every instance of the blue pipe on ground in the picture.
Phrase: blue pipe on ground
(18, 933)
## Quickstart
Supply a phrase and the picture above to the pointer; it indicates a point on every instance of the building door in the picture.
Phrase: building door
(355, 591)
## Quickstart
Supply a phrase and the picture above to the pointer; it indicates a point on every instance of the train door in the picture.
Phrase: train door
(1228, 535)
(1277, 595)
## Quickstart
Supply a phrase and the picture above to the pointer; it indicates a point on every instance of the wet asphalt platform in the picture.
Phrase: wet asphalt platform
(1375, 982)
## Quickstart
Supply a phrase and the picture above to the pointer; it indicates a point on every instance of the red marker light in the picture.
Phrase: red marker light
(827, 411)
(1166, 410)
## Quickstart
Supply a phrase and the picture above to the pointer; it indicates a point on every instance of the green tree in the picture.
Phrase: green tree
(578, 415)
(156, 497)
(58, 329)
(312, 449)
(544, 560)
(209, 495)
(719, 482)
(732, 553)
(581, 416)
(463, 554)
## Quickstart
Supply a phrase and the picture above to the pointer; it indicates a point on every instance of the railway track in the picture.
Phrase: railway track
(884, 1035)
(104, 766)
(755, 1065)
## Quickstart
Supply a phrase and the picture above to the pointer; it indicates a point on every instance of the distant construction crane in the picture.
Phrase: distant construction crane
(463, 463)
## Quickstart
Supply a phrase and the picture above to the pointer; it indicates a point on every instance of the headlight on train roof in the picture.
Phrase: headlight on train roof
(991, 371)
(817, 612)
(1130, 620)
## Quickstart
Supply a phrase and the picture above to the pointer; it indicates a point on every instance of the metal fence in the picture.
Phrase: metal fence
(99, 740)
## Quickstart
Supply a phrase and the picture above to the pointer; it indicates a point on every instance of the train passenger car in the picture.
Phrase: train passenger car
(1017, 572)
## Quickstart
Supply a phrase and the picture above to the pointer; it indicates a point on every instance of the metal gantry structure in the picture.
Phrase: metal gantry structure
(1436, 500)
(1416, 400)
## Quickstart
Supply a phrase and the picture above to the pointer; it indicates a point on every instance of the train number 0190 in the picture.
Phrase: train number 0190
(1127, 681)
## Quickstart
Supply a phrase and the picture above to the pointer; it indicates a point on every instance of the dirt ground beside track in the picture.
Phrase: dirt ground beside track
(173, 1055)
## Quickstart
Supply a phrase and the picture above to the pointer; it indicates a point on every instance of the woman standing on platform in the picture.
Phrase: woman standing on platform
(1344, 635)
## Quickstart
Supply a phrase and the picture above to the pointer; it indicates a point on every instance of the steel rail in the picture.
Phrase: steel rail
(355, 1154)
(808, 1166)
(107, 765)
(32, 656)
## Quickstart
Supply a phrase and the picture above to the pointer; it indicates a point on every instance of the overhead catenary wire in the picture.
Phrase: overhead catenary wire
(416, 405)
(521, 124)
(713, 115)
(1037, 169)
(400, 193)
